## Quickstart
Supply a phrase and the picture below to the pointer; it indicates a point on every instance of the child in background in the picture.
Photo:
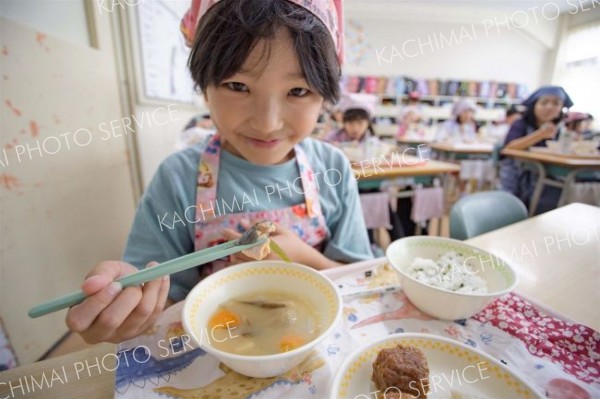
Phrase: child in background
(332, 120)
(460, 128)
(498, 132)
(410, 125)
(579, 124)
(544, 111)
(356, 118)
(265, 67)
(196, 131)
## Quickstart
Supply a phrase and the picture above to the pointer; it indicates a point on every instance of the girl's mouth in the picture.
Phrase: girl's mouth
(262, 143)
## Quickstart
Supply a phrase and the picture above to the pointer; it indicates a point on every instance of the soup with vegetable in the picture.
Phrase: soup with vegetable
(263, 323)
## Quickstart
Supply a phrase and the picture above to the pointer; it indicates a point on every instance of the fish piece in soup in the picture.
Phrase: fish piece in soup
(268, 322)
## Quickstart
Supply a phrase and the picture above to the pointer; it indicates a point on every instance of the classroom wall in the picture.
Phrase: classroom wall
(156, 142)
(497, 53)
(60, 213)
(483, 46)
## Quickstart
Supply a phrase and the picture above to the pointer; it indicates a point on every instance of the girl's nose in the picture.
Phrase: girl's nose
(267, 115)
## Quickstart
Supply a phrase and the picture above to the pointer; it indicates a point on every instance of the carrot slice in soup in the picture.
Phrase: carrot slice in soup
(224, 319)
(290, 342)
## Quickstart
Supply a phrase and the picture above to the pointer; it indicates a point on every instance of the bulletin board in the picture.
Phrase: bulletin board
(161, 52)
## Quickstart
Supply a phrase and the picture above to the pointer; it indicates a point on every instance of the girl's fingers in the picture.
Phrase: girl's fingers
(145, 308)
(246, 224)
(80, 317)
(159, 307)
(103, 328)
(230, 234)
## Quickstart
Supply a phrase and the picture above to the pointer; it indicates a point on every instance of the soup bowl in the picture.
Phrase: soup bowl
(499, 276)
(295, 279)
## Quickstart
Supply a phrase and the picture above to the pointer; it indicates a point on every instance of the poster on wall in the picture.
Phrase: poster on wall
(163, 53)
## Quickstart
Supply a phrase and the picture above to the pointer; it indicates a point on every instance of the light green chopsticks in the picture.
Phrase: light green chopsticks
(169, 267)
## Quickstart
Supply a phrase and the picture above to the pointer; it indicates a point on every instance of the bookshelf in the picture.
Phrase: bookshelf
(436, 98)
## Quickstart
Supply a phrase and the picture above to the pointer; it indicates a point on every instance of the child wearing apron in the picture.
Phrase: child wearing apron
(265, 70)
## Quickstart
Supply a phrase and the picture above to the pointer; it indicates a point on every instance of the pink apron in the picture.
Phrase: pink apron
(306, 219)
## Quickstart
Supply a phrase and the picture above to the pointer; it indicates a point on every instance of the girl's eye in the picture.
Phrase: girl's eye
(237, 86)
(299, 92)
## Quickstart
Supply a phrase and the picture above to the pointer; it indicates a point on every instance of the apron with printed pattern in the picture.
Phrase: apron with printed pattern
(305, 219)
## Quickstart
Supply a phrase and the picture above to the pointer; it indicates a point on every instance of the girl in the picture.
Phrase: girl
(357, 110)
(197, 130)
(498, 131)
(461, 127)
(264, 67)
(579, 124)
(544, 111)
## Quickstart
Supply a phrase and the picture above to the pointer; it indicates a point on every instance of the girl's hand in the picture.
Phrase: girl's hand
(296, 249)
(547, 131)
(113, 314)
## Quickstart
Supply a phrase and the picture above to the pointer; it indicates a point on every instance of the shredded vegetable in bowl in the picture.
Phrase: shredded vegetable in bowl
(449, 272)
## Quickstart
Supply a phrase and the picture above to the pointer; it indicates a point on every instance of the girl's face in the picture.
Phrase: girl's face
(356, 129)
(466, 116)
(547, 108)
(267, 107)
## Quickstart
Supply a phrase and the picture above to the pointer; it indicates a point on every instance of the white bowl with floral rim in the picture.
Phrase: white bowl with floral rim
(498, 274)
(297, 280)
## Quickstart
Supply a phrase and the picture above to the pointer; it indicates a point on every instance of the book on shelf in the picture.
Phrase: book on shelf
(398, 86)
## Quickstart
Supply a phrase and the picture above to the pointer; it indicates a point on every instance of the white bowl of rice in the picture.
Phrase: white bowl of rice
(448, 279)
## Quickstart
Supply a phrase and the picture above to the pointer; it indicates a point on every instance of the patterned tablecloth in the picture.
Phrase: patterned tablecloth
(557, 356)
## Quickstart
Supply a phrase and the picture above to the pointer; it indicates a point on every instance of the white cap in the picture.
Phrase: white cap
(357, 100)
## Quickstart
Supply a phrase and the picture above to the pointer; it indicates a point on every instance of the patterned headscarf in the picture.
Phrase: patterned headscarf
(556, 91)
(330, 12)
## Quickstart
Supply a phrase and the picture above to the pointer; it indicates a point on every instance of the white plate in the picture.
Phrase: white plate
(453, 367)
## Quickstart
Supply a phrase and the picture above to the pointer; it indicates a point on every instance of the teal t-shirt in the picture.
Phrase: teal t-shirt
(163, 227)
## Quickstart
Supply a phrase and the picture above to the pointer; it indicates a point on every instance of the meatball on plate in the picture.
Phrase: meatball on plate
(413, 365)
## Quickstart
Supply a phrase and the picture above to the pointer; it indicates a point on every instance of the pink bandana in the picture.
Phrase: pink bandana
(330, 12)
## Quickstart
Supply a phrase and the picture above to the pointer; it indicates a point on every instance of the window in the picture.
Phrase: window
(579, 73)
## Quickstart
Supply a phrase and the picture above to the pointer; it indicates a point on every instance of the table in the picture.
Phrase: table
(423, 172)
(552, 267)
(452, 152)
(552, 164)
(428, 168)
(566, 280)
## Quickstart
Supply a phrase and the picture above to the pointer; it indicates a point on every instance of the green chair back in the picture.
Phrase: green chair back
(482, 212)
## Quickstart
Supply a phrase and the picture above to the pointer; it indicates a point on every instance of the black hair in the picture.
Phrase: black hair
(231, 29)
(457, 119)
(358, 114)
(512, 110)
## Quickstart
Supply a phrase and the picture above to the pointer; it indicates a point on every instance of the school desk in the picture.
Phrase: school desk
(413, 141)
(453, 152)
(551, 164)
(367, 172)
(556, 260)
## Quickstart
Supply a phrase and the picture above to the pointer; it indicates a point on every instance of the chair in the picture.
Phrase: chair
(482, 212)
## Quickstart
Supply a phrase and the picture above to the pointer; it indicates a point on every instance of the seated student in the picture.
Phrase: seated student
(335, 119)
(579, 124)
(539, 124)
(498, 131)
(196, 131)
(461, 127)
(264, 73)
(411, 123)
(356, 127)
